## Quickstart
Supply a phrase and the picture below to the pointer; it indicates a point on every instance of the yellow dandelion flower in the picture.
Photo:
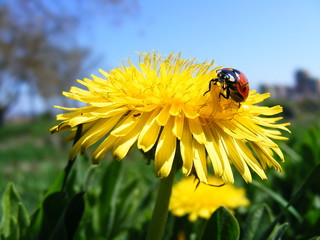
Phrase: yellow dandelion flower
(203, 200)
(161, 106)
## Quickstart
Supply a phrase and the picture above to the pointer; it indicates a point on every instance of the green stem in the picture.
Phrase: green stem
(70, 163)
(160, 211)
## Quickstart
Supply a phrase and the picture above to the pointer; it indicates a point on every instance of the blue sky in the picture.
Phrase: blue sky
(267, 40)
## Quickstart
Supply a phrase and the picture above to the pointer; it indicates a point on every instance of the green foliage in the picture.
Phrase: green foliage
(14, 218)
(222, 225)
(37, 127)
(118, 203)
(31, 158)
(115, 201)
(300, 181)
(258, 220)
(61, 216)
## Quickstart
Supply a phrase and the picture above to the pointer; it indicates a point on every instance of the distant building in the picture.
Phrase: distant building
(305, 87)
(278, 92)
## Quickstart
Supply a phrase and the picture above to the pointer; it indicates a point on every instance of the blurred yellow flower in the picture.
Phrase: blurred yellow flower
(161, 105)
(203, 200)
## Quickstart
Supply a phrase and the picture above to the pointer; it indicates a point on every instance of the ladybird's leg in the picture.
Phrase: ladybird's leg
(221, 94)
(212, 81)
(218, 185)
(227, 92)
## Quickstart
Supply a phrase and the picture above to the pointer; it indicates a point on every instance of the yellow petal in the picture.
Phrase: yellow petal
(237, 159)
(196, 130)
(109, 112)
(237, 131)
(72, 135)
(99, 130)
(73, 109)
(178, 126)
(265, 155)
(104, 147)
(248, 129)
(213, 152)
(190, 112)
(245, 152)
(123, 144)
(149, 133)
(186, 149)
(164, 115)
(267, 111)
(79, 112)
(61, 127)
(91, 136)
(268, 124)
(165, 151)
(162, 101)
(85, 118)
(126, 126)
(199, 160)
(175, 109)
(227, 175)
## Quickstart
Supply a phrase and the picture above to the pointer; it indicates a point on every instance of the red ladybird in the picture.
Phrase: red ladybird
(233, 82)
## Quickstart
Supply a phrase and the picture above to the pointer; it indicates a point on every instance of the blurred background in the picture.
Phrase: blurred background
(45, 45)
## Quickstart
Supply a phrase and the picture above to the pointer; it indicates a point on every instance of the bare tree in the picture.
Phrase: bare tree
(38, 43)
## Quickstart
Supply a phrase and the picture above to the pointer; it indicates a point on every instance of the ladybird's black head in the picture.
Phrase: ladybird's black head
(227, 75)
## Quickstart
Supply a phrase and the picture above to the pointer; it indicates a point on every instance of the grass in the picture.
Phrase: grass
(31, 157)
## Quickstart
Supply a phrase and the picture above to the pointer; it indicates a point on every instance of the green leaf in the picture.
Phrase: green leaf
(222, 225)
(35, 225)
(61, 216)
(106, 208)
(37, 216)
(279, 231)
(312, 217)
(258, 220)
(10, 202)
(311, 179)
(56, 185)
(279, 199)
(74, 213)
(315, 238)
(143, 202)
(14, 230)
(53, 207)
(125, 201)
(109, 182)
(23, 218)
(15, 217)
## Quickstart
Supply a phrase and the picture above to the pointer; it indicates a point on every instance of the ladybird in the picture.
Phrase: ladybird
(234, 83)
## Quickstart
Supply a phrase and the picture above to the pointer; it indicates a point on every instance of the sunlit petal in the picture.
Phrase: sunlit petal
(169, 108)
(165, 151)
(200, 201)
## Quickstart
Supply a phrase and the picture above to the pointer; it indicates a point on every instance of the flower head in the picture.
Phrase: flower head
(161, 105)
(203, 200)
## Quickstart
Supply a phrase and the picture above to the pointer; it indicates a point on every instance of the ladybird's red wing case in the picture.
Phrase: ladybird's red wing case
(234, 84)
(243, 86)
